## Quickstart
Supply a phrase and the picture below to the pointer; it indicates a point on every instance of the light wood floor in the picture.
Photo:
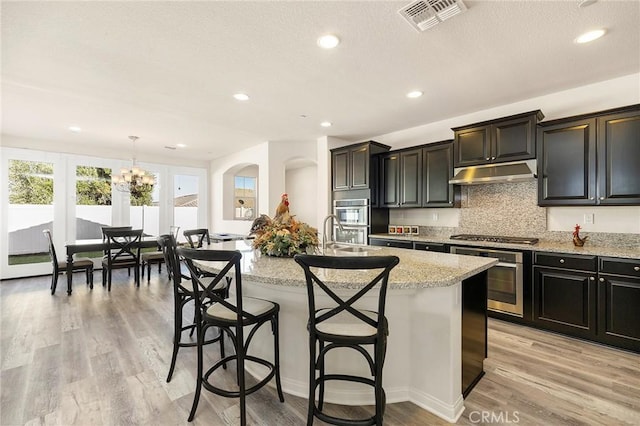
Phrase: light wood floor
(99, 358)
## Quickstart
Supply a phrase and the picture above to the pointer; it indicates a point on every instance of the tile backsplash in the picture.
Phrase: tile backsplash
(511, 209)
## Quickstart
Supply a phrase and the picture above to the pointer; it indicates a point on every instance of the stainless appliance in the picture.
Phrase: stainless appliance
(504, 280)
(354, 217)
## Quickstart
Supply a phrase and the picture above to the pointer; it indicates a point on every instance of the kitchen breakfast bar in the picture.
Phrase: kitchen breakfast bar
(436, 308)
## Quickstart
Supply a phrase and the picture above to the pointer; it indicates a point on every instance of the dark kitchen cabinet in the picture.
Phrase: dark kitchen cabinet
(564, 296)
(506, 139)
(590, 159)
(618, 151)
(389, 180)
(401, 179)
(619, 302)
(352, 167)
(391, 243)
(437, 247)
(437, 170)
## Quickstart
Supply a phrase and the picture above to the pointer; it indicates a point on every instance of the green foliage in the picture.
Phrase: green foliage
(93, 186)
(30, 182)
(141, 195)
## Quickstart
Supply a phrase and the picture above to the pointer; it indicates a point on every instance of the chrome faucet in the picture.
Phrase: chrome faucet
(324, 229)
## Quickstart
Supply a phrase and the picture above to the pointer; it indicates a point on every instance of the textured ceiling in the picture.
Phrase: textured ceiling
(166, 71)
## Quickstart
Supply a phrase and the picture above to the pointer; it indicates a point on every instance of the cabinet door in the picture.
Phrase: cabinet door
(390, 171)
(437, 170)
(514, 139)
(567, 164)
(411, 178)
(619, 158)
(472, 146)
(359, 167)
(618, 307)
(565, 301)
(340, 169)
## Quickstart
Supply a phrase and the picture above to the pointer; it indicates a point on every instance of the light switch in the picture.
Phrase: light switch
(588, 218)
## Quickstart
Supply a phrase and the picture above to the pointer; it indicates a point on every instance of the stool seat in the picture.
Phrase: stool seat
(253, 306)
(342, 325)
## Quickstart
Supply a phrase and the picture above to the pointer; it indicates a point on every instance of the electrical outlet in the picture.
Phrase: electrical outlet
(434, 217)
(588, 218)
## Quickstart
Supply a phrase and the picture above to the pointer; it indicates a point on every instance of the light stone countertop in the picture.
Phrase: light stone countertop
(542, 246)
(416, 269)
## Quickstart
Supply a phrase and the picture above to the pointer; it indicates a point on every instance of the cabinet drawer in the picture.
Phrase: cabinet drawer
(567, 261)
(617, 266)
(430, 247)
(391, 243)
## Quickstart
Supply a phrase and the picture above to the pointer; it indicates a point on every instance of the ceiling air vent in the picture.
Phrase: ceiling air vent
(425, 14)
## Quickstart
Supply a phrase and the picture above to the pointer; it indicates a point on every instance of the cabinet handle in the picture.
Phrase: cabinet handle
(493, 158)
(388, 244)
(636, 268)
(602, 198)
(487, 158)
(561, 260)
(591, 198)
(592, 279)
(601, 280)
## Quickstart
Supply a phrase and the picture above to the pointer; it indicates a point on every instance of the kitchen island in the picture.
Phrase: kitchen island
(430, 338)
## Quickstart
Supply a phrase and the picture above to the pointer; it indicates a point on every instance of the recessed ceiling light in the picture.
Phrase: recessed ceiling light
(414, 94)
(590, 36)
(241, 96)
(75, 129)
(181, 145)
(326, 124)
(328, 41)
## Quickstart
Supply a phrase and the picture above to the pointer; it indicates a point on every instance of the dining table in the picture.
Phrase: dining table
(83, 246)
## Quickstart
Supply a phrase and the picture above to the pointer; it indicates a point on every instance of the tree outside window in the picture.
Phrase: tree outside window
(245, 198)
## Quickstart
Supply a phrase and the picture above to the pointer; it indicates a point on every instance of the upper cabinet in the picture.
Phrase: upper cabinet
(418, 177)
(590, 159)
(437, 170)
(506, 139)
(352, 166)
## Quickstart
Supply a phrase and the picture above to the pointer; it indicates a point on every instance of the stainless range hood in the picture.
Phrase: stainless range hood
(517, 171)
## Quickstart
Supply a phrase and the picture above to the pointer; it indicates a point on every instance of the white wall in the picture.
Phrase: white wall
(300, 185)
(271, 159)
(604, 95)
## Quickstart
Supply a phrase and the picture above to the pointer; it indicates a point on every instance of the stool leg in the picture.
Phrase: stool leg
(177, 334)
(196, 397)
(312, 379)
(276, 357)
(321, 374)
(148, 272)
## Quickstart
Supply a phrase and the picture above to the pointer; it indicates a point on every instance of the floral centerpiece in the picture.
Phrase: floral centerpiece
(283, 236)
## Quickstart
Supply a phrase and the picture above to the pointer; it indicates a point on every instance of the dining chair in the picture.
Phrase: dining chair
(231, 316)
(341, 325)
(104, 239)
(123, 252)
(197, 237)
(79, 264)
(182, 295)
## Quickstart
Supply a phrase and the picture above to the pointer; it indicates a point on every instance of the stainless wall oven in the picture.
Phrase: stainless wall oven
(504, 280)
(354, 217)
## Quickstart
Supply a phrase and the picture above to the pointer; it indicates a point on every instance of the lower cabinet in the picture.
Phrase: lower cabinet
(588, 297)
(619, 303)
(439, 247)
(564, 301)
(391, 243)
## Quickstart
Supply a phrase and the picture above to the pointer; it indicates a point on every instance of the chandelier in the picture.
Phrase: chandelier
(134, 178)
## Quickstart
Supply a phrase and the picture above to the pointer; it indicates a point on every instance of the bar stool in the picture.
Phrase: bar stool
(182, 295)
(231, 317)
(343, 326)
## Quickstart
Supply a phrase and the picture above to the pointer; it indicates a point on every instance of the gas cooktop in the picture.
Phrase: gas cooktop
(495, 239)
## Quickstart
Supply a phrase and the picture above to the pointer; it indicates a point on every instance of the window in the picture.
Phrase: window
(144, 212)
(30, 210)
(185, 203)
(93, 201)
(244, 197)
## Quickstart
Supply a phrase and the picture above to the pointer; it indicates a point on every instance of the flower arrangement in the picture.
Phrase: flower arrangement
(283, 236)
(286, 239)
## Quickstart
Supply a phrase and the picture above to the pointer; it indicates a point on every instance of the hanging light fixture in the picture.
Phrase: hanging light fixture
(134, 178)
